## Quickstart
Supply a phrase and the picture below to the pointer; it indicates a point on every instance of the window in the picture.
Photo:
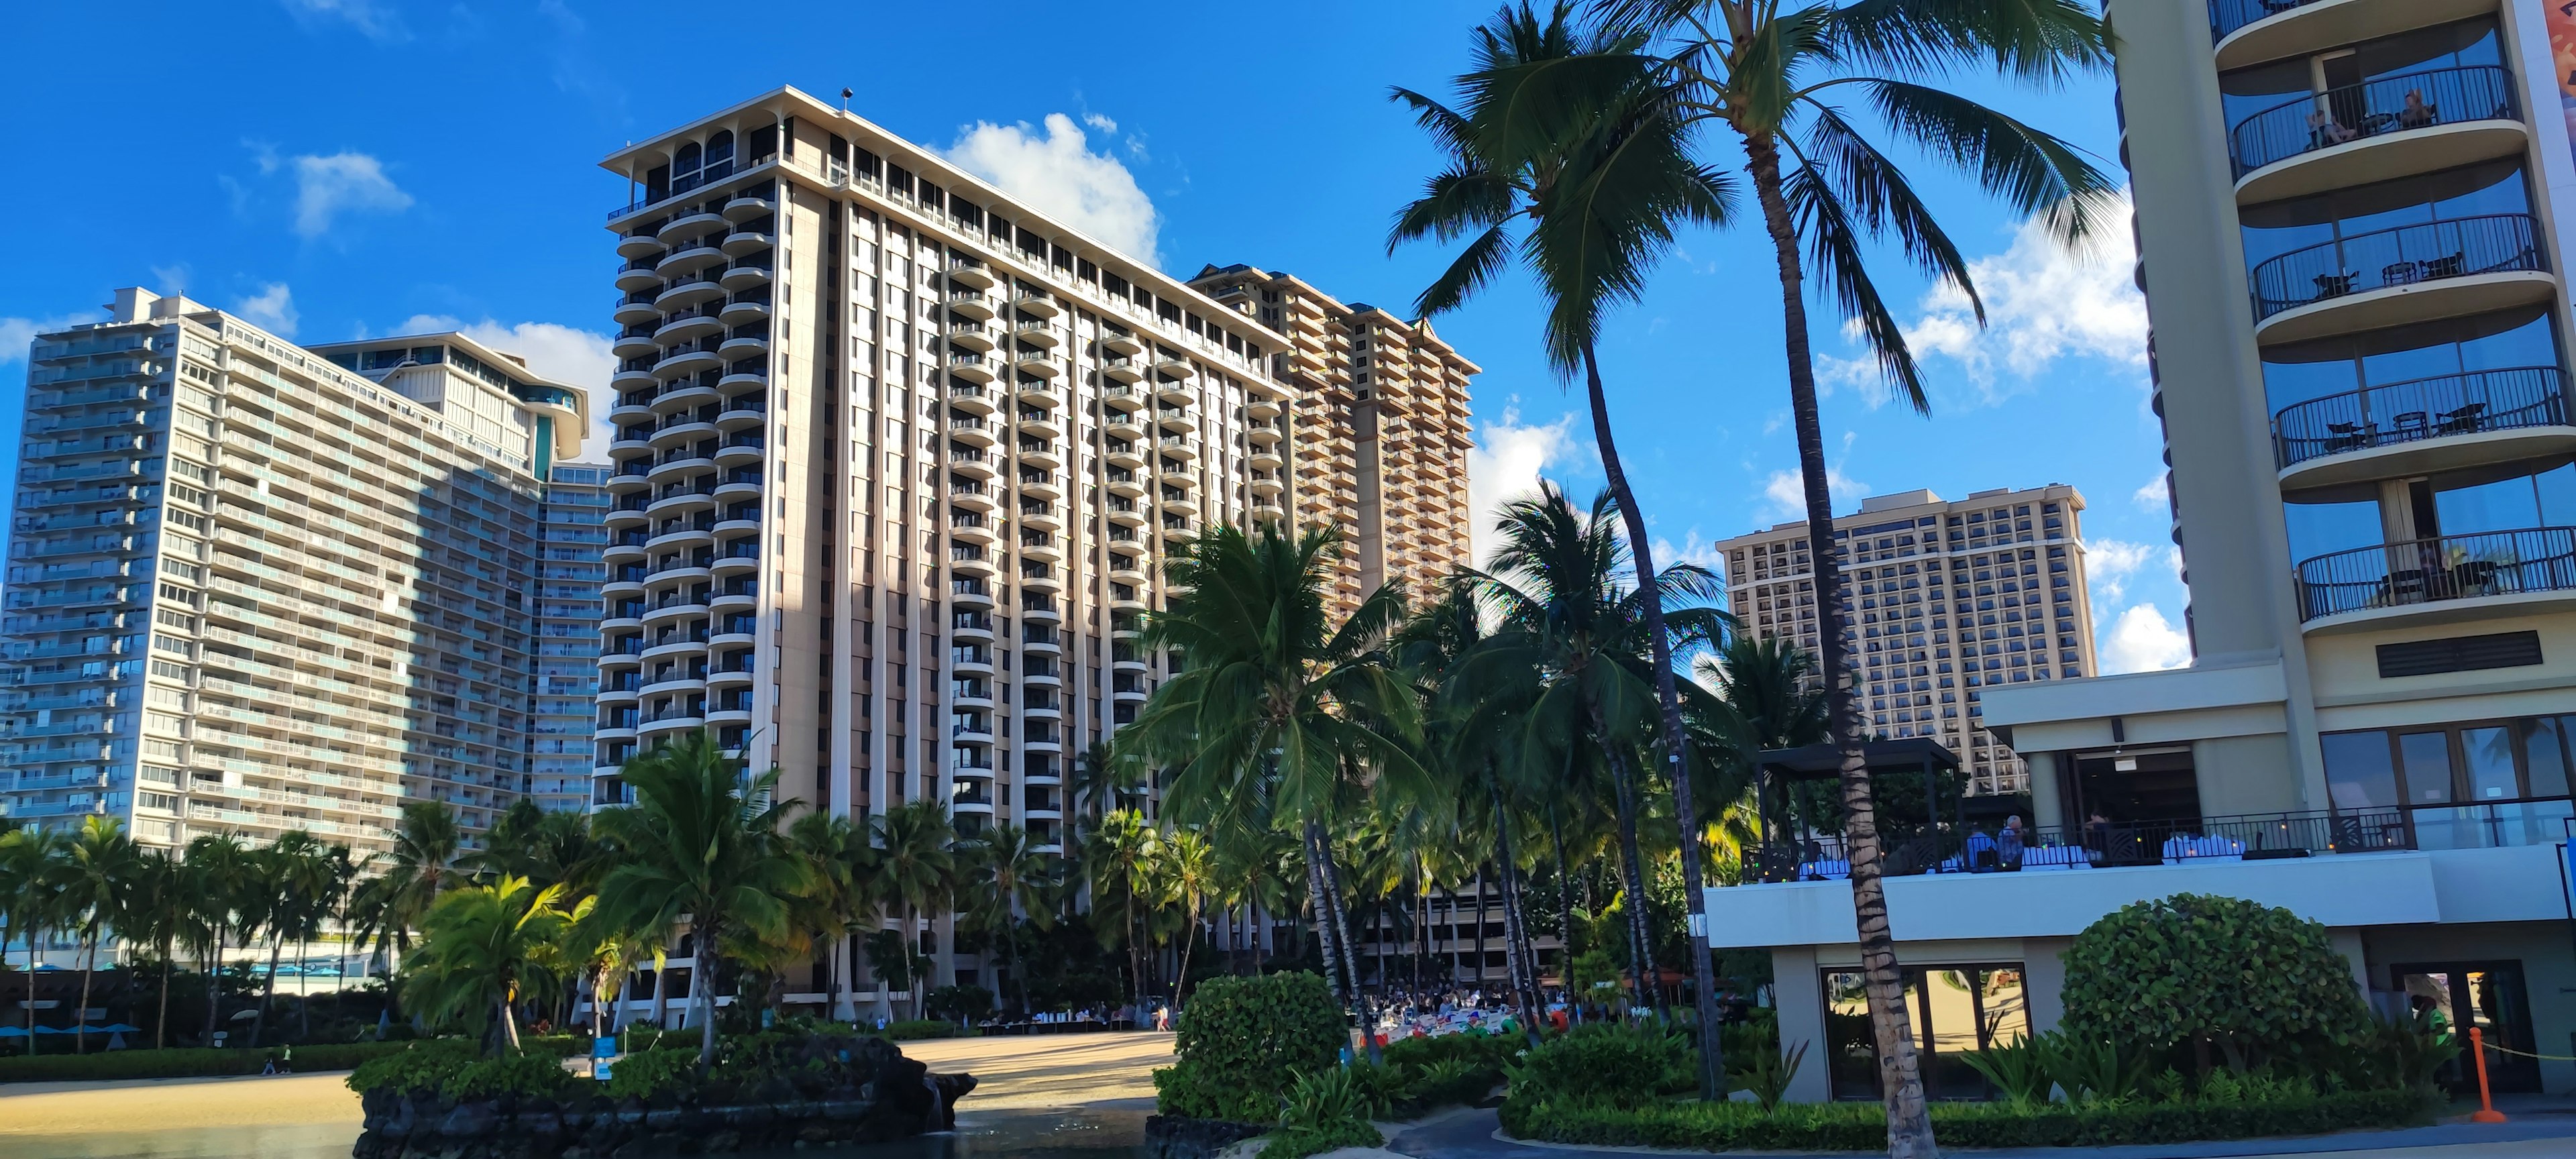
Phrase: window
(1953, 1009)
(2476, 784)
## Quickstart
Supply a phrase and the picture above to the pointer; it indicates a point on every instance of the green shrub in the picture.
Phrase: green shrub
(529, 1076)
(189, 1062)
(1604, 1065)
(414, 1067)
(1244, 1043)
(1768, 1072)
(2253, 981)
(558, 1045)
(1333, 1094)
(1299, 1142)
(2094, 1068)
(1863, 1126)
(911, 1030)
(646, 1074)
(1448, 1069)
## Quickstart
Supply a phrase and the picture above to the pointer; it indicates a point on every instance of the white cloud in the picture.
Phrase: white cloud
(1506, 463)
(2142, 640)
(271, 309)
(2044, 302)
(2110, 563)
(1692, 550)
(564, 354)
(343, 182)
(372, 20)
(1784, 494)
(2153, 496)
(16, 334)
(1056, 172)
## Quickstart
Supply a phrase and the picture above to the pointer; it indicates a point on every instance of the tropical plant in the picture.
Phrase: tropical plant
(1117, 859)
(1188, 872)
(916, 870)
(2019, 1069)
(1598, 179)
(481, 945)
(31, 871)
(1277, 717)
(220, 873)
(703, 846)
(97, 879)
(1008, 871)
(1768, 1071)
(2246, 980)
(1245, 1041)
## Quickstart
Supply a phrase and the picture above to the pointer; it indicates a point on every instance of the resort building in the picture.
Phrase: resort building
(898, 461)
(2352, 222)
(256, 588)
(567, 605)
(1383, 427)
(1943, 600)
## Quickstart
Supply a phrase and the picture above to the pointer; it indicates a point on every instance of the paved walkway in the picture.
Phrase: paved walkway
(1471, 1134)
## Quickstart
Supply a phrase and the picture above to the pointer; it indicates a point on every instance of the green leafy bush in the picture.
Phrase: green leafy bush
(529, 1076)
(1863, 1126)
(1245, 1041)
(189, 1062)
(914, 1029)
(652, 1073)
(2017, 1069)
(1448, 1069)
(2252, 981)
(410, 1068)
(1767, 1072)
(2095, 1068)
(1299, 1142)
(1604, 1065)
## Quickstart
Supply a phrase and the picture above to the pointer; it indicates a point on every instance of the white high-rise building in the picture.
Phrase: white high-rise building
(252, 591)
(568, 579)
(898, 458)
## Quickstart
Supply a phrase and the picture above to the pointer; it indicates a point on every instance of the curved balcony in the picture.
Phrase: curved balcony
(683, 537)
(2451, 578)
(637, 341)
(1260, 407)
(975, 304)
(1174, 391)
(744, 311)
(636, 310)
(747, 204)
(970, 397)
(970, 367)
(717, 717)
(638, 276)
(722, 675)
(1119, 342)
(969, 463)
(1036, 304)
(1268, 508)
(739, 450)
(1130, 455)
(970, 497)
(1044, 456)
(741, 412)
(1038, 362)
(741, 557)
(1183, 478)
(1126, 486)
(975, 533)
(970, 594)
(968, 273)
(1121, 370)
(738, 346)
(1266, 485)
(2391, 127)
(969, 335)
(675, 719)
(971, 430)
(1045, 487)
(745, 275)
(677, 606)
(687, 291)
(1123, 569)
(1127, 516)
(1180, 447)
(1039, 394)
(744, 242)
(638, 245)
(2252, 31)
(1045, 518)
(688, 429)
(687, 361)
(684, 395)
(1037, 333)
(1041, 428)
(690, 225)
(2422, 426)
(970, 561)
(1118, 425)
(2385, 277)
(690, 256)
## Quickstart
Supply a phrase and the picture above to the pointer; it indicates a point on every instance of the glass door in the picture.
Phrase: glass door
(2488, 996)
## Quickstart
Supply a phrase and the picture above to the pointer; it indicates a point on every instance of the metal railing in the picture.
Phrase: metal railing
(2418, 409)
(2226, 16)
(2397, 257)
(2337, 116)
(1982, 849)
(2450, 567)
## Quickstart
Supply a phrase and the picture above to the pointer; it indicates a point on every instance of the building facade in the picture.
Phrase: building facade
(1944, 599)
(254, 588)
(897, 462)
(2351, 222)
(1383, 427)
(569, 575)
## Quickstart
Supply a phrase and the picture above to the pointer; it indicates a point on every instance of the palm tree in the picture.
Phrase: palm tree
(31, 871)
(291, 885)
(1599, 178)
(1009, 870)
(1557, 582)
(1189, 873)
(1770, 77)
(837, 899)
(916, 859)
(1100, 783)
(1278, 717)
(479, 944)
(702, 844)
(385, 908)
(220, 869)
(99, 878)
(1117, 860)
(158, 913)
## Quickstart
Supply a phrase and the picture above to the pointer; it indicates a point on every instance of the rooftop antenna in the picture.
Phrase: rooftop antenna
(845, 100)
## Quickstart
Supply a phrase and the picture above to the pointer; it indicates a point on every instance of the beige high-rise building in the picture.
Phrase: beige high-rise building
(1944, 599)
(1383, 426)
(899, 459)
(2352, 229)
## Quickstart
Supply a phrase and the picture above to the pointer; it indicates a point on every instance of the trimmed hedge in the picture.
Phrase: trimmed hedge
(1245, 1042)
(1863, 1126)
(199, 1062)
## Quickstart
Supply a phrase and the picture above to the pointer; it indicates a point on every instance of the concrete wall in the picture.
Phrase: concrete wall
(2549, 975)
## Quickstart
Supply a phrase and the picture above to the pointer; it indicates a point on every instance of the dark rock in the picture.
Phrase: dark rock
(1177, 1137)
(662, 1119)
(473, 1119)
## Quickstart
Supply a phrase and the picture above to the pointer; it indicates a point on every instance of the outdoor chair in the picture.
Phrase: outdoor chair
(2399, 273)
(2464, 420)
(2443, 267)
(2334, 285)
(2410, 424)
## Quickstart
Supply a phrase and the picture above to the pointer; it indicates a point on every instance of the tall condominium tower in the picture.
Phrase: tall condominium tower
(567, 603)
(1383, 426)
(898, 459)
(252, 591)
(1944, 599)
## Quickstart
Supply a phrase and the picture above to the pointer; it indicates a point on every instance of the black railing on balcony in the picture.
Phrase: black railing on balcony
(2451, 567)
(2402, 256)
(1951, 848)
(2418, 409)
(2226, 16)
(2338, 116)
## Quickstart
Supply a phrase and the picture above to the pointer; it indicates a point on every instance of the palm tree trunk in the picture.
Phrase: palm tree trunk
(1641, 950)
(268, 993)
(215, 984)
(1332, 877)
(703, 979)
(1524, 975)
(509, 1028)
(161, 1020)
(1668, 702)
(1909, 1121)
(35, 941)
(80, 1017)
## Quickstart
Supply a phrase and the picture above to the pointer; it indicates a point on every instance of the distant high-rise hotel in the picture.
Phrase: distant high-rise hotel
(255, 588)
(1941, 600)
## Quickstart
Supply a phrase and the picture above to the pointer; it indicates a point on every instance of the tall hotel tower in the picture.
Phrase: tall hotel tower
(254, 588)
(897, 462)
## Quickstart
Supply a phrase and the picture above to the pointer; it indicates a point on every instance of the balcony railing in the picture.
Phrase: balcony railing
(2226, 16)
(1978, 849)
(2451, 567)
(2338, 116)
(2402, 256)
(2418, 409)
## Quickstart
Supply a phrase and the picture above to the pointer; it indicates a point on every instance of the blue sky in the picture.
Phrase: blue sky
(334, 168)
